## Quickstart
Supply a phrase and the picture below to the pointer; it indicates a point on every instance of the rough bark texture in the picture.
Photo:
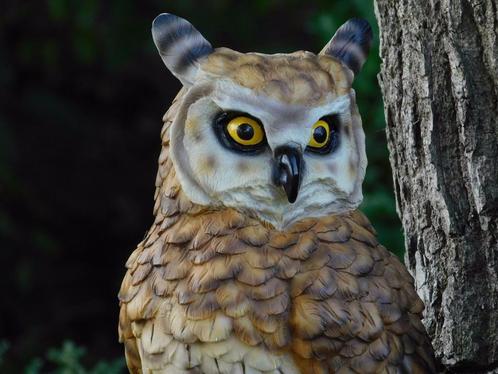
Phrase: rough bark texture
(439, 79)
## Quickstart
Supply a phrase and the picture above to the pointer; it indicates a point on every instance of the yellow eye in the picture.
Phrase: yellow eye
(245, 131)
(320, 134)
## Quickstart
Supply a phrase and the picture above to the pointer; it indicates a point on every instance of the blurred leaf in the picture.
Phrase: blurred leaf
(85, 47)
(86, 13)
(34, 367)
(50, 53)
(24, 274)
(114, 367)
(324, 25)
(4, 347)
(67, 358)
(58, 9)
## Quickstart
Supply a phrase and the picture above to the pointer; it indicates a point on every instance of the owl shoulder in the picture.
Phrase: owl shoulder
(360, 312)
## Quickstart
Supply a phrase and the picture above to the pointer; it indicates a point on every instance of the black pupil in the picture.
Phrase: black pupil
(245, 131)
(320, 134)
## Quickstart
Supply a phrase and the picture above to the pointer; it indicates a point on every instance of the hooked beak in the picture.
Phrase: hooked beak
(287, 170)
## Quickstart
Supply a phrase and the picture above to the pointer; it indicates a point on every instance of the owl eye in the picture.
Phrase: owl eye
(240, 132)
(324, 135)
(245, 131)
(320, 134)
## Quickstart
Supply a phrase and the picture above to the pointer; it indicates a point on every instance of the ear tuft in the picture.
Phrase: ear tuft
(351, 44)
(180, 45)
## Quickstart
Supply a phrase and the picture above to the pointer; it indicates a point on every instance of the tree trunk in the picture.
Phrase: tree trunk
(439, 79)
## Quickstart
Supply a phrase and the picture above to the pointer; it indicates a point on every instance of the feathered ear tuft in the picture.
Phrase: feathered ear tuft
(180, 45)
(351, 44)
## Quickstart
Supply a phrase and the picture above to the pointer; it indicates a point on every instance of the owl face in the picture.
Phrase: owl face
(278, 137)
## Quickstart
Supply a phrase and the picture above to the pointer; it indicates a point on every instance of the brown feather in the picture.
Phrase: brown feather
(218, 289)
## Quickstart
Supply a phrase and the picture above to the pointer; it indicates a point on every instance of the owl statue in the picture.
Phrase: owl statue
(258, 260)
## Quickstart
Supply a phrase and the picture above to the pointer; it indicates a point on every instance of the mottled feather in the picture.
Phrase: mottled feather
(215, 290)
(321, 296)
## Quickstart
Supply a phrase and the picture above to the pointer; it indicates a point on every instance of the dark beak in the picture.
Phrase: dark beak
(287, 170)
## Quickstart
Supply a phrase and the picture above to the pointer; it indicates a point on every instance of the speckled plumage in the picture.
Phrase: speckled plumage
(212, 291)
(221, 286)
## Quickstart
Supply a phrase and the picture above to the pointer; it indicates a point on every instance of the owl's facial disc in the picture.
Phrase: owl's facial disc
(244, 134)
(278, 152)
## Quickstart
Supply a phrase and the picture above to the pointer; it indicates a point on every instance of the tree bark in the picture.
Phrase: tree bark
(439, 79)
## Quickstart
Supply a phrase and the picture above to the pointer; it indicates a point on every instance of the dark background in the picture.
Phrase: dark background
(82, 93)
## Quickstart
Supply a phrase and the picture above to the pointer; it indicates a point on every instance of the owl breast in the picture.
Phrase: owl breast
(218, 292)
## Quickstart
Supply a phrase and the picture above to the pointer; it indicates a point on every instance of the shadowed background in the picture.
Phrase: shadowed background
(82, 94)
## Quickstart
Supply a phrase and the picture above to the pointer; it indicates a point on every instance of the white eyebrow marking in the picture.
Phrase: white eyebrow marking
(230, 96)
(340, 105)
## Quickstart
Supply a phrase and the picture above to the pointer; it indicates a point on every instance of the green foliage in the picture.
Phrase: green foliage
(34, 366)
(69, 359)
(4, 347)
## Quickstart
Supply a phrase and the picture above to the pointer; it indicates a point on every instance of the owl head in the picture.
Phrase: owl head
(278, 137)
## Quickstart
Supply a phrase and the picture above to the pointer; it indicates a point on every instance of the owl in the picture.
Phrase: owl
(258, 260)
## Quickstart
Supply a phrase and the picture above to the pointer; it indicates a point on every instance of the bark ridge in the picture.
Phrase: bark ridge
(439, 79)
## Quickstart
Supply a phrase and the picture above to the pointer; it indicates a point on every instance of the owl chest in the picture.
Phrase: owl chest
(222, 318)
(222, 312)
(240, 300)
